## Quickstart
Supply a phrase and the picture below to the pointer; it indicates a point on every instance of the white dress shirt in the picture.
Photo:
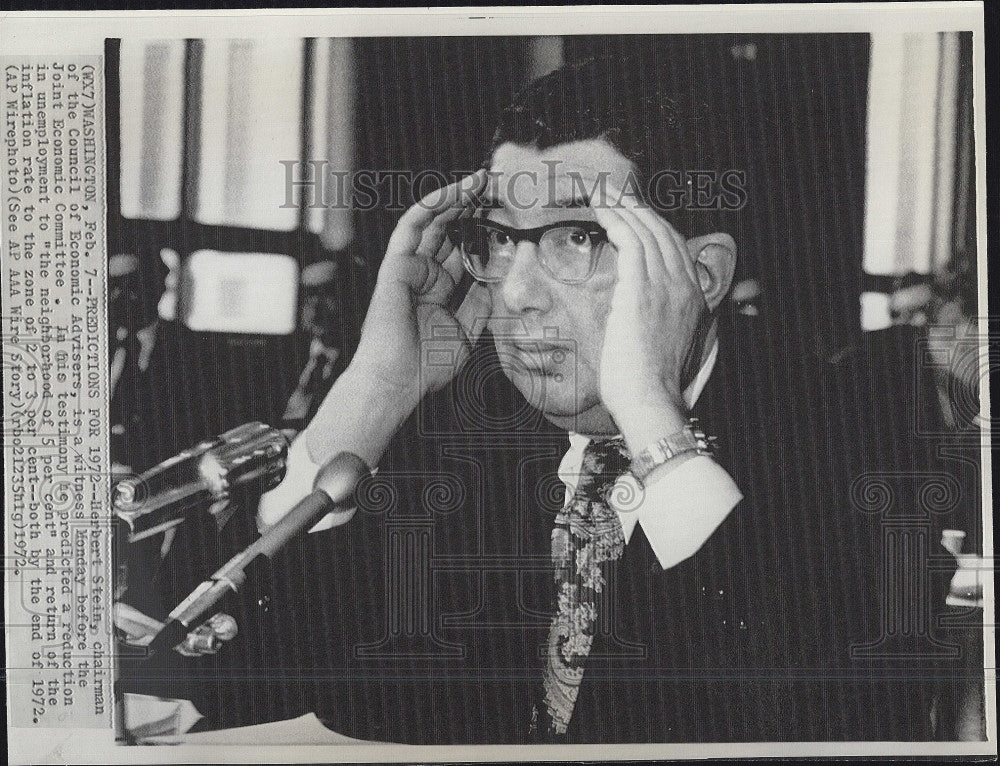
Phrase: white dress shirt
(678, 509)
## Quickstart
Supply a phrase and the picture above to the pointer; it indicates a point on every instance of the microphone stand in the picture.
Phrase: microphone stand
(333, 491)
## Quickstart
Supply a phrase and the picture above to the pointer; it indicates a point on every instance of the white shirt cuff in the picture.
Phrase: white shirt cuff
(681, 509)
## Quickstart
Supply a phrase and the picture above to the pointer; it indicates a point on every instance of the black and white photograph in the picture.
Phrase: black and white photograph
(559, 387)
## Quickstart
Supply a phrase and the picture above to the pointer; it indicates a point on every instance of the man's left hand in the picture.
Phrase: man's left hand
(655, 314)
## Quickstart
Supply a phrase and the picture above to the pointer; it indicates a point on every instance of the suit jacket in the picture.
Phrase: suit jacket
(810, 614)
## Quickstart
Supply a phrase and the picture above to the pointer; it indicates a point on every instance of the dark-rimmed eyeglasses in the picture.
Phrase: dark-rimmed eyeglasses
(567, 250)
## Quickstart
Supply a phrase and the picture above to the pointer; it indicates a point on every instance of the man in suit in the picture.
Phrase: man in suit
(637, 587)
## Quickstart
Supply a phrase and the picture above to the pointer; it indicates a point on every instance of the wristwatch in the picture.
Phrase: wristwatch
(689, 439)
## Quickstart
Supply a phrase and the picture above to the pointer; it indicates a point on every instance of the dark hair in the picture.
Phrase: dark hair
(661, 122)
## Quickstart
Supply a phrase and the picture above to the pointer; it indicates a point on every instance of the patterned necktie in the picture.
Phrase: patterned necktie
(587, 538)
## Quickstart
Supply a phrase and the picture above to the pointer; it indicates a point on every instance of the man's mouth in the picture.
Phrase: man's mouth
(525, 344)
(538, 355)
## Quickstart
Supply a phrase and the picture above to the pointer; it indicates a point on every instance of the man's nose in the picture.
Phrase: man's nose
(525, 287)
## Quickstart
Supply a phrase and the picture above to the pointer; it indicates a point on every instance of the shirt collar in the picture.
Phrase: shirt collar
(693, 391)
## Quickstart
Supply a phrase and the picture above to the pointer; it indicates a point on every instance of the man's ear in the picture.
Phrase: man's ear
(714, 257)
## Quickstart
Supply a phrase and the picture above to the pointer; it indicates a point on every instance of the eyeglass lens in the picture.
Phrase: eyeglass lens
(567, 252)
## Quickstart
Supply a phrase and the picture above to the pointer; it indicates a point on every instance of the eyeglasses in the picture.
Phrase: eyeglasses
(567, 250)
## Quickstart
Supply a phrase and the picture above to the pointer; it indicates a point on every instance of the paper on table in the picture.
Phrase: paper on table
(304, 730)
(147, 716)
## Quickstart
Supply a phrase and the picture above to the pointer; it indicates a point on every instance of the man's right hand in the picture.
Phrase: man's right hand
(407, 319)
(408, 315)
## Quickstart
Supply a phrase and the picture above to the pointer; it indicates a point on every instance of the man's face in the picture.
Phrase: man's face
(548, 334)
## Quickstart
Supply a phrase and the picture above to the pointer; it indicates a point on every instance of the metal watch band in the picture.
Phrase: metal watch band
(689, 439)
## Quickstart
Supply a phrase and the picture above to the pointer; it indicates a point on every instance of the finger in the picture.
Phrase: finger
(438, 286)
(673, 246)
(452, 196)
(434, 242)
(627, 206)
(444, 250)
(408, 232)
(680, 243)
(475, 311)
(631, 257)
(435, 238)
(655, 264)
(440, 280)
(453, 263)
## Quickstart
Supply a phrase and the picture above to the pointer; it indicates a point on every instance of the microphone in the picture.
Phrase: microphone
(333, 491)
(201, 478)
